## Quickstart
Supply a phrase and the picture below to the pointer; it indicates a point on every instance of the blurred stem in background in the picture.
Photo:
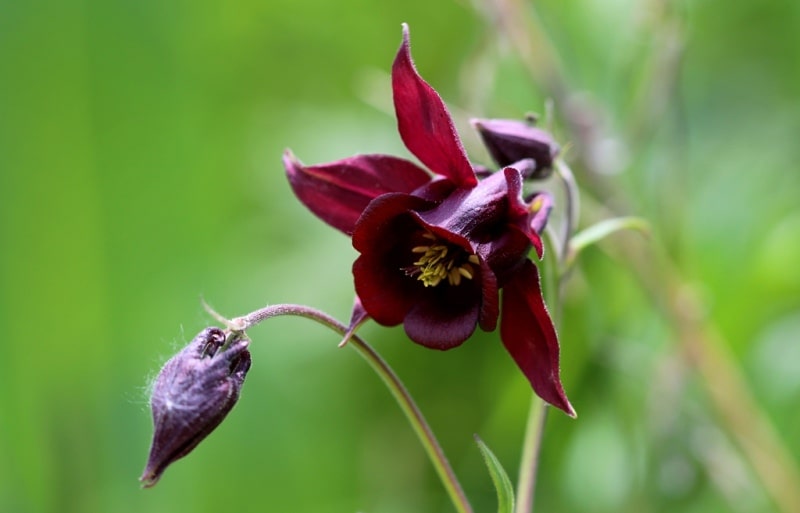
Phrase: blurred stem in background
(701, 344)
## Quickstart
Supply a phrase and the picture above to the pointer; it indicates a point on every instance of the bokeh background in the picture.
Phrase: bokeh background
(140, 147)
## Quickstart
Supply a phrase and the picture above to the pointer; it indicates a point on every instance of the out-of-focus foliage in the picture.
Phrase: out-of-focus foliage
(140, 148)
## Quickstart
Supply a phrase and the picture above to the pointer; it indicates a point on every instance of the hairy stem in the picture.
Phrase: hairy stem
(389, 377)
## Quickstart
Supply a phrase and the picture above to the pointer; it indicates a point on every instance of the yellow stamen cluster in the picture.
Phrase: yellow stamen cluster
(434, 265)
(536, 205)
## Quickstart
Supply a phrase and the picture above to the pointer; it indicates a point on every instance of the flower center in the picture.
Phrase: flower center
(439, 261)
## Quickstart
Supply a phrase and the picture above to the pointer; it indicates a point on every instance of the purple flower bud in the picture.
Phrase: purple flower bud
(509, 141)
(192, 394)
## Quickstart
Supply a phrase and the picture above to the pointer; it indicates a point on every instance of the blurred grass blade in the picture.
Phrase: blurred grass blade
(505, 492)
(603, 229)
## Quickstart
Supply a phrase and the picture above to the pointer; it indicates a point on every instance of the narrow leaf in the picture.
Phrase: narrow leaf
(502, 484)
(603, 229)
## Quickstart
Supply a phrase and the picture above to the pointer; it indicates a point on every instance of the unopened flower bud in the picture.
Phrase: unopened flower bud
(509, 141)
(192, 394)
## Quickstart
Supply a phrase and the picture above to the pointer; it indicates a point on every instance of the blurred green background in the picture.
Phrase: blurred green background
(140, 147)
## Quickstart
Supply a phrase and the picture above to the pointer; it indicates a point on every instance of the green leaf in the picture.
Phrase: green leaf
(505, 492)
(603, 229)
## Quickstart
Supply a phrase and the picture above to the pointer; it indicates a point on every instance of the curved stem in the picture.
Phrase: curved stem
(572, 212)
(392, 381)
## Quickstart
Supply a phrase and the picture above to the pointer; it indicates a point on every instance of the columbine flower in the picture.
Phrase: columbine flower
(192, 394)
(436, 250)
(510, 140)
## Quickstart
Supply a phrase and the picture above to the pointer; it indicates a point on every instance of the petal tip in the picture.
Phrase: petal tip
(565, 406)
(405, 45)
(290, 162)
(150, 478)
(424, 123)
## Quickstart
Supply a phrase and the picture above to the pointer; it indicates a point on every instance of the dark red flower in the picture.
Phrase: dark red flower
(509, 141)
(437, 249)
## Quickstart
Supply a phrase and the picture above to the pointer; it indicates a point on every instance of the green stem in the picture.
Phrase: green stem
(555, 276)
(392, 381)
(529, 465)
(572, 211)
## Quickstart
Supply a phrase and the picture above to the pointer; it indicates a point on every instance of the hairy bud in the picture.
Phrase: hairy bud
(192, 394)
(509, 141)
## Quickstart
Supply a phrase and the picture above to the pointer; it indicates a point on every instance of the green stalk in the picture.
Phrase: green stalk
(555, 275)
(389, 377)
(529, 464)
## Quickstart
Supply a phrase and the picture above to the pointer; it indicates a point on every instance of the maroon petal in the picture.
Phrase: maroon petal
(468, 211)
(444, 317)
(387, 296)
(541, 205)
(424, 122)
(528, 216)
(505, 254)
(378, 217)
(510, 140)
(516, 206)
(382, 236)
(437, 190)
(339, 191)
(490, 302)
(530, 337)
